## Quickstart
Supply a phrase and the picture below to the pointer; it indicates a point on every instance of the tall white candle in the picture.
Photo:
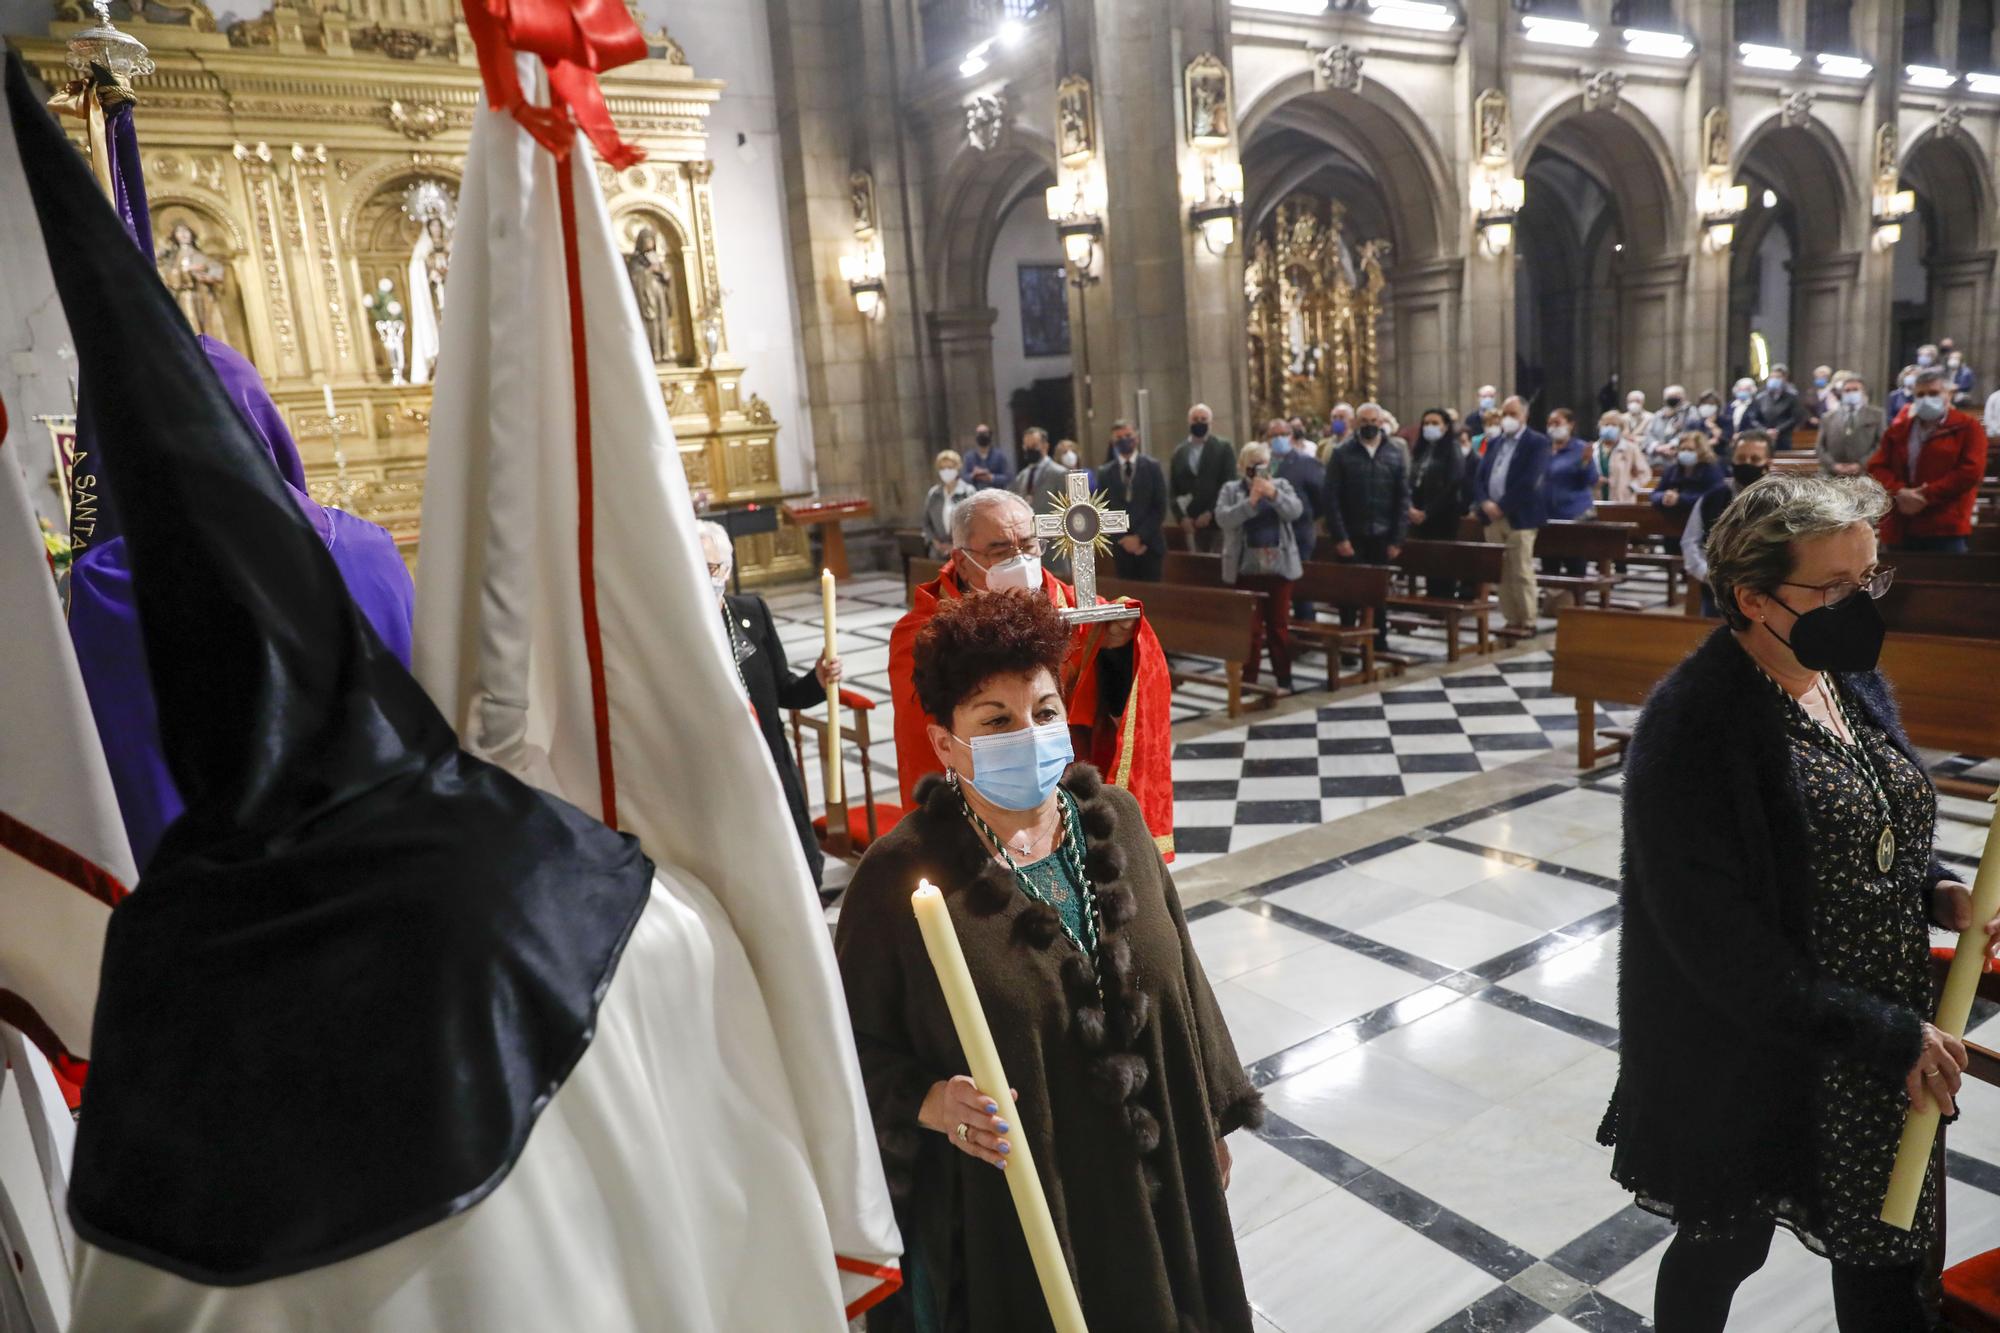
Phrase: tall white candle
(1961, 984)
(831, 750)
(326, 393)
(982, 1060)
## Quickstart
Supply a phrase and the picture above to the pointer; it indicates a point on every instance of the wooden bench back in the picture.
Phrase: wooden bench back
(1469, 562)
(1202, 622)
(1943, 684)
(1941, 567)
(1966, 610)
(1321, 581)
(1650, 521)
(1598, 542)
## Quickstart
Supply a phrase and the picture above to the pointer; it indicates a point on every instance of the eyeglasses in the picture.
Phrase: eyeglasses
(994, 551)
(1833, 594)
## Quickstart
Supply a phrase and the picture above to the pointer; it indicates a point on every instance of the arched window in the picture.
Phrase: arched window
(1920, 32)
(1975, 35)
(1829, 26)
(1757, 21)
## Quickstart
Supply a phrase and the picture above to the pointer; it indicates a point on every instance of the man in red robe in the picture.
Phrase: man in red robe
(1116, 681)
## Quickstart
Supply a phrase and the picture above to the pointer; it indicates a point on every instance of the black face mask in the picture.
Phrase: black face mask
(1844, 637)
(1674, 402)
(1370, 433)
(984, 438)
(1030, 454)
(1198, 429)
(1748, 473)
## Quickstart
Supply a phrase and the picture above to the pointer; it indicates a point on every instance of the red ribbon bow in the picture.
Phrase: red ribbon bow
(577, 40)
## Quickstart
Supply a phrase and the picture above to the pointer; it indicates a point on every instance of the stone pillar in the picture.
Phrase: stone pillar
(1824, 326)
(1650, 312)
(1423, 299)
(964, 341)
(1705, 327)
(1486, 305)
(1878, 28)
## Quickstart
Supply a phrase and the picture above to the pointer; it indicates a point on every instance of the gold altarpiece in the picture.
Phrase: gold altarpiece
(300, 161)
(1314, 302)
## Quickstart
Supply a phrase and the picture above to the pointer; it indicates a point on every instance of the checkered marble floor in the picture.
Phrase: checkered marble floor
(1433, 1022)
(1265, 780)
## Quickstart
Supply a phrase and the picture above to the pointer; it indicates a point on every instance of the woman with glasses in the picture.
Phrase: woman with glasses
(1780, 888)
(1125, 1077)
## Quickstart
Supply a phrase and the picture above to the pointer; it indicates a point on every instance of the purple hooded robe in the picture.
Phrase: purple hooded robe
(104, 621)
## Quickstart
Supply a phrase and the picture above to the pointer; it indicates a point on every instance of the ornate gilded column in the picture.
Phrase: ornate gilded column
(266, 219)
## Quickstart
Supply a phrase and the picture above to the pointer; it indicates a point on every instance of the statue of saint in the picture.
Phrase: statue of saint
(653, 285)
(430, 262)
(195, 279)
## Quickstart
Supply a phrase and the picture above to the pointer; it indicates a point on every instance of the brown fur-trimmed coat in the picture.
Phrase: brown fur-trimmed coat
(1121, 1102)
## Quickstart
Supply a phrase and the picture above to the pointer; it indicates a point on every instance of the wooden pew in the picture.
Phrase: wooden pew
(1361, 587)
(1195, 622)
(1943, 683)
(1473, 563)
(1963, 610)
(1941, 567)
(1604, 545)
(1655, 526)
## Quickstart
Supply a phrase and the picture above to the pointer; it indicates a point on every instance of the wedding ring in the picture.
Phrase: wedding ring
(1928, 1073)
(961, 1131)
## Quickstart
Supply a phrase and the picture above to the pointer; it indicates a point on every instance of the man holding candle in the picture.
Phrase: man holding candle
(768, 680)
(1115, 682)
(1779, 892)
(1126, 1080)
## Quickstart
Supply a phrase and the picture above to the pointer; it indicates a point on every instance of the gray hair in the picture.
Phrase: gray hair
(1752, 544)
(1930, 375)
(1365, 406)
(715, 537)
(978, 503)
(1035, 433)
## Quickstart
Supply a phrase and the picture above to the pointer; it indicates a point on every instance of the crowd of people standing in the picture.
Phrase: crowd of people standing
(1360, 485)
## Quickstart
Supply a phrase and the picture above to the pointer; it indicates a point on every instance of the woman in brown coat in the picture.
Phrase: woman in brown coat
(1126, 1078)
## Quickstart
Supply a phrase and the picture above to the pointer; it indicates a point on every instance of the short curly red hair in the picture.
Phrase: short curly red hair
(975, 638)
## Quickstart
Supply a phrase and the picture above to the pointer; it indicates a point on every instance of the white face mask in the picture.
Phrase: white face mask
(1016, 571)
(1510, 425)
(1852, 398)
(1559, 433)
(720, 582)
(948, 475)
(1067, 458)
(1707, 411)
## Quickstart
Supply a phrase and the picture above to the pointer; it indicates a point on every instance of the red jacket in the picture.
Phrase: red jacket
(1949, 468)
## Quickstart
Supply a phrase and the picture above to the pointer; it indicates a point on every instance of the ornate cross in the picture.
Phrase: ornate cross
(1083, 528)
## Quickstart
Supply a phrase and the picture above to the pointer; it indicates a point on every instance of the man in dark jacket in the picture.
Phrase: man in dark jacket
(1367, 503)
(1777, 408)
(1203, 464)
(1138, 485)
(769, 681)
(1514, 506)
(1292, 460)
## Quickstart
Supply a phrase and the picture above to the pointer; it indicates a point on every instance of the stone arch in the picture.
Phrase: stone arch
(1381, 135)
(1627, 156)
(1950, 173)
(1806, 165)
(977, 191)
(1822, 215)
(1953, 247)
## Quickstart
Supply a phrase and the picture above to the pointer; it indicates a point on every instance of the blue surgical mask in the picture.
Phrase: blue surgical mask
(1339, 427)
(1281, 444)
(1929, 406)
(1433, 433)
(1486, 402)
(1926, 359)
(1607, 433)
(1819, 381)
(1743, 395)
(1686, 457)
(1018, 770)
(1775, 383)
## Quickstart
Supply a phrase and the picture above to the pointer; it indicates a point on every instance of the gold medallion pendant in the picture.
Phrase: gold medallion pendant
(1885, 849)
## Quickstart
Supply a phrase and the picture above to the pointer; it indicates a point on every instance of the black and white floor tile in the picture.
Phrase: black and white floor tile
(1433, 1021)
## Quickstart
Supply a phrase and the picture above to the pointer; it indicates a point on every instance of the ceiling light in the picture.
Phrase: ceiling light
(1770, 198)
(1844, 67)
(1305, 7)
(1929, 76)
(1012, 31)
(1983, 83)
(975, 61)
(1672, 45)
(1767, 57)
(1412, 14)
(1558, 32)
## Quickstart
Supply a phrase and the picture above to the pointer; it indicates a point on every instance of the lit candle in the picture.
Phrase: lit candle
(831, 751)
(982, 1060)
(326, 392)
(1954, 1010)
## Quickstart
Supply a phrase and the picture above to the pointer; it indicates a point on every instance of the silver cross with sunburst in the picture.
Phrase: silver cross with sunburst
(1082, 530)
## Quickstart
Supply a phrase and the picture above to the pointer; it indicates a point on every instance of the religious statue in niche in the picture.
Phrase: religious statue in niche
(196, 279)
(1495, 134)
(1076, 134)
(1715, 138)
(653, 284)
(428, 204)
(1314, 302)
(1209, 112)
(861, 195)
(1885, 153)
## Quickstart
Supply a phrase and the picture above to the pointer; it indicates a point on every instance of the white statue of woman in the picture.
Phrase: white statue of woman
(430, 259)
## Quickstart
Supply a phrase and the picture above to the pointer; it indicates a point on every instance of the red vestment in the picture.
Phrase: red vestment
(1133, 749)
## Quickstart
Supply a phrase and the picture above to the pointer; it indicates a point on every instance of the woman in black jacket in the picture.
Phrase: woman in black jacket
(1780, 886)
(1437, 487)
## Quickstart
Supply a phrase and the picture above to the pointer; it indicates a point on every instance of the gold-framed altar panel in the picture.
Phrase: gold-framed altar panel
(1314, 302)
(280, 161)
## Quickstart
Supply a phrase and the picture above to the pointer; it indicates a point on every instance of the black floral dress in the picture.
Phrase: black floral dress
(1870, 930)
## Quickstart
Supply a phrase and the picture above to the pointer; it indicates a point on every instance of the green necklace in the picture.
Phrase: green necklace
(1855, 751)
(1071, 852)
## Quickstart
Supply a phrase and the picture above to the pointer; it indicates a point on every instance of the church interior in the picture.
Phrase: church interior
(874, 259)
